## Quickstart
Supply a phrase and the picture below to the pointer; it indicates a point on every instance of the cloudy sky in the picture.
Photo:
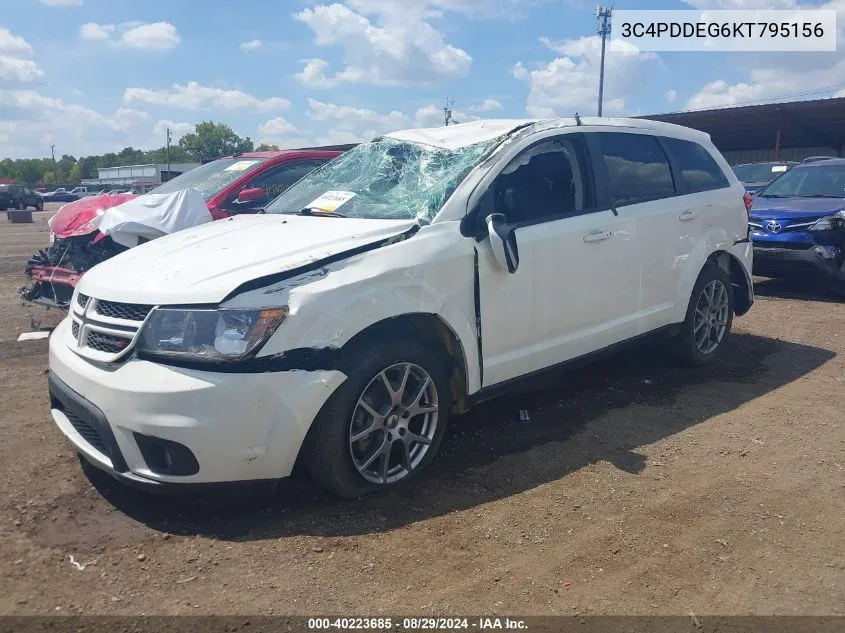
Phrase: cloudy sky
(92, 76)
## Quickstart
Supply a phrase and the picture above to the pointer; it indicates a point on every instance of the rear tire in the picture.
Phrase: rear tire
(399, 430)
(708, 319)
(39, 206)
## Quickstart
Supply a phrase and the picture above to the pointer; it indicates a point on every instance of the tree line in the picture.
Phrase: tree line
(209, 140)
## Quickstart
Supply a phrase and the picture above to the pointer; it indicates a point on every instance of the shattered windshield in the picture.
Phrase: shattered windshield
(384, 179)
(211, 178)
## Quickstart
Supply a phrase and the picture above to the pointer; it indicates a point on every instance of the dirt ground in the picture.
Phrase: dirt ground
(635, 488)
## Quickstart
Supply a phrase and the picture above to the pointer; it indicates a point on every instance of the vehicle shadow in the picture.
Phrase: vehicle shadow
(801, 288)
(602, 412)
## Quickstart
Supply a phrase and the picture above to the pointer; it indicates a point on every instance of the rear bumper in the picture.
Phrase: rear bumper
(775, 262)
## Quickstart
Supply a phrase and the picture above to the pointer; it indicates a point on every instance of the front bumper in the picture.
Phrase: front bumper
(237, 426)
(776, 262)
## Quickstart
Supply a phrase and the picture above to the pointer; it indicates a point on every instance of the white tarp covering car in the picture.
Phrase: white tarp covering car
(153, 215)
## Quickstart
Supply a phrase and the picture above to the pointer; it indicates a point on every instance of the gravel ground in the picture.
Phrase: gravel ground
(634, 488)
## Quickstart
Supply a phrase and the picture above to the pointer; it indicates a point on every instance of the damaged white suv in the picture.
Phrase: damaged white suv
(398, 284)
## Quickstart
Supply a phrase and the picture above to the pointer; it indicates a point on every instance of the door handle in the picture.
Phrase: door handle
(597, 236)
(688, 215)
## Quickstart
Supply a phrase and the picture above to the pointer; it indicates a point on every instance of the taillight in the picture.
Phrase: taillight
(746, 198)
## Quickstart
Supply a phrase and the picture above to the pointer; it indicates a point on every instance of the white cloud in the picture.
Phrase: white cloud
(671, 95)
(251, 45)
(12, 43)
(429, 116)
(96, 32)
(31, 122)
(401, 48)
(569, 83)
(488, 105)
(16, 70)
(193, 96)
(351, 125)
(276, 127)
(314, 74)
(62, 3)
(157, 36)
(775, 76)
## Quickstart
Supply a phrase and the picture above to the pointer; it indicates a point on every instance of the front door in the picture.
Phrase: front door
(575, 289)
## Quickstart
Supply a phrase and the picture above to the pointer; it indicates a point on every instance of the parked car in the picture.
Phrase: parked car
(798, 222)
(59, 195)
(753, 176)
(19, 197)
(404, 281)
(237, 184)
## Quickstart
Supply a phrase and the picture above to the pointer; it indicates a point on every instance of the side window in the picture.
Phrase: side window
(547, 179)
(275, 181)
(698, 170)
(637, 167)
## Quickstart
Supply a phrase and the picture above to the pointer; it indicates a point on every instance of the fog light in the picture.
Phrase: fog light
(166, 457)
(827, 252)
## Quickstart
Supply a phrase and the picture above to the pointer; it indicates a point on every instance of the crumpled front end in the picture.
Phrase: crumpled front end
(54, 272)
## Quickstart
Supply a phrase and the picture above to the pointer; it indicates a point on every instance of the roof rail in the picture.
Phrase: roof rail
(814, 159)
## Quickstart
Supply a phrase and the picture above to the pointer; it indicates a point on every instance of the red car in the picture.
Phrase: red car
(236, 184)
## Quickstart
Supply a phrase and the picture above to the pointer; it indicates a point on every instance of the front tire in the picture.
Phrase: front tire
(21, 206)
(708, 319)
(39, 206)
(385, 423)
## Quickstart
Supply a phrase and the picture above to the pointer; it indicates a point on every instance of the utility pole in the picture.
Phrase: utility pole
(55, 168)
(168, 153)
(603, 15)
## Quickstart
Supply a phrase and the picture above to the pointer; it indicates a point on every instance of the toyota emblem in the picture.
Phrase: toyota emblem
(773, 226)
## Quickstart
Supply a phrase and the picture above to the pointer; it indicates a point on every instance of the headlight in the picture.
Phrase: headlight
(835, 221)
(209, 335)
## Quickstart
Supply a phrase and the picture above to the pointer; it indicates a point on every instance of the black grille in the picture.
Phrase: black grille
(128, 311)
(74, 328)
(88, 432)
(82, 299)
(106, 342)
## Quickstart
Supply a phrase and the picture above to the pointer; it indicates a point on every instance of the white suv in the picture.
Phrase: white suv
(400, 283)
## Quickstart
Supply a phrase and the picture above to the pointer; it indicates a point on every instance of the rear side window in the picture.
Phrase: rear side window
(698, 170)
(637, 166)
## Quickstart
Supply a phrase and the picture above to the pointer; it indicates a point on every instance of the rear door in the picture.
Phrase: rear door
(576, 286)
(643, 189)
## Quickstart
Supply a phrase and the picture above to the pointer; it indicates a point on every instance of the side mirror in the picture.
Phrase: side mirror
(251, 195)
(503, 242)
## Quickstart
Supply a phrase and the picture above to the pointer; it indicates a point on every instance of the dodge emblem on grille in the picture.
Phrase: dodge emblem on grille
(773, 226)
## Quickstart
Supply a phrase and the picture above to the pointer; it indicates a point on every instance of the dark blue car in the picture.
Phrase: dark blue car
(798, 222)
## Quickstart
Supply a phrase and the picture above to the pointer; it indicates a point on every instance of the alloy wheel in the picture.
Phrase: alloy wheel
(710, 321)
(393, 423)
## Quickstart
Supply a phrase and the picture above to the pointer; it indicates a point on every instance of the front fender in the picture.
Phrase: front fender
(431, 273)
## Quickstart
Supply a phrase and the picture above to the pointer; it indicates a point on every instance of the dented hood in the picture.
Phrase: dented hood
(205, 263)
(78, 218)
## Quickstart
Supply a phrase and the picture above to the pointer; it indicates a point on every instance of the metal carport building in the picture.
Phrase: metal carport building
(776, 131)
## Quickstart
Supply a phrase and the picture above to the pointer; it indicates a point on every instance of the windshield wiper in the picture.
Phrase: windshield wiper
(821, 195)
(320, 212)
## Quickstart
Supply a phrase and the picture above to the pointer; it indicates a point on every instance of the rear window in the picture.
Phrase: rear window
(637, 166)
(698, 170)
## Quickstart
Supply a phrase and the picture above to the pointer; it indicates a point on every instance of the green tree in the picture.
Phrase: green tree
(264, 147)
(213, 140)
(49, 178)
(29, 170)
(75, 174)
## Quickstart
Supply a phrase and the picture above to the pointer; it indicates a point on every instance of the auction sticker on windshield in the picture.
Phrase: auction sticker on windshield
(241, 165)
(332, 200)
